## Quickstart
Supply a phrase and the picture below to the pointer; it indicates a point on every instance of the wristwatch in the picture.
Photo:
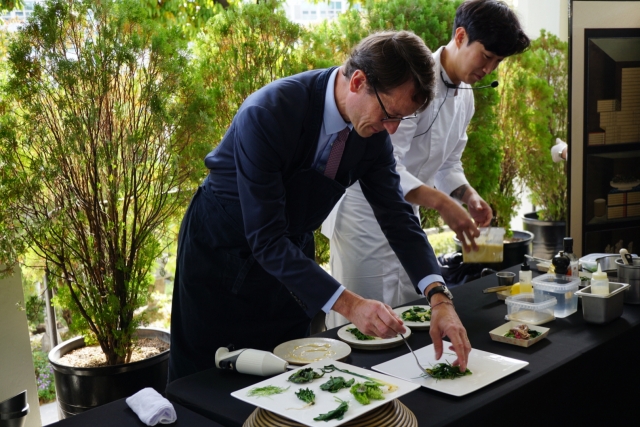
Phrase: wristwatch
(442, 289)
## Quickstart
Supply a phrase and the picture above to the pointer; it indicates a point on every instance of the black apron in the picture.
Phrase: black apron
(222, 295)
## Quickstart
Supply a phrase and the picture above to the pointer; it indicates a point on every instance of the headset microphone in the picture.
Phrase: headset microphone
(452, 86)
(493, 84)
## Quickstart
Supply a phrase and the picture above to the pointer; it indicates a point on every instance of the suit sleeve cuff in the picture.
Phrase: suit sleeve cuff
(422, 285)
(327, 307)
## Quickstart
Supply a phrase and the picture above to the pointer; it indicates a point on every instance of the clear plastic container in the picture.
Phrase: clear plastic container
(524, 308)
(490, 246)
(562, 287)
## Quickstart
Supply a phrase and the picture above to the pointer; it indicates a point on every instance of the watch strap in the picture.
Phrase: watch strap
(440, 289)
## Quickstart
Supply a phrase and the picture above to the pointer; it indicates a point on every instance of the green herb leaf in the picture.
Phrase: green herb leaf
(359, 335)
(306, 395)
(364, 392)
(332, 368)
(304, 376)
(335, 384)
(445, 371)
(336, 414)
(267, 391)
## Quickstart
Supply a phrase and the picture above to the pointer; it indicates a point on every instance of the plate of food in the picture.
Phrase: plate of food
(311, 394)
(484, 368)
(356, 339)
(415, 316)
(518, 333)
(309, 350)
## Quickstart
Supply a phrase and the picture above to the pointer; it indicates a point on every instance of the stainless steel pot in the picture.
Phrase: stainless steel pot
(608, 263)
(630, 274)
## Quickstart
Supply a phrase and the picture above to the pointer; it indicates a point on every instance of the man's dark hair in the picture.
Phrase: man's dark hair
(391, 58)
(492, 23)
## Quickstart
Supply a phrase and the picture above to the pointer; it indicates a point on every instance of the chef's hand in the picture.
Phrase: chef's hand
(370, 317)
(446, 323)
(479, 209)
(454, 215)
(459, 220)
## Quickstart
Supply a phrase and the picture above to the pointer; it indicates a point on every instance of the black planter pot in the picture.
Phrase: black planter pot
(548, 235)
(513, 252)
(81, 389)
(14, 410)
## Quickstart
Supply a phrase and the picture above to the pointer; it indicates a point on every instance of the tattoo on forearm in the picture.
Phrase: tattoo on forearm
(459, 192)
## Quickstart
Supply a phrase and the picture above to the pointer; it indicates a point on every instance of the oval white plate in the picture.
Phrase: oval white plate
(309, 350)
(413, 325)
(374, 344)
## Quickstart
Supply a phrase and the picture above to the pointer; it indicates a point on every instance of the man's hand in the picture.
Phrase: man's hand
(445, 323)
(370, 317)
(479, 209)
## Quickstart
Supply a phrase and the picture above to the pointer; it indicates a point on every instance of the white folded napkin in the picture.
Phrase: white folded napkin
(151, 407)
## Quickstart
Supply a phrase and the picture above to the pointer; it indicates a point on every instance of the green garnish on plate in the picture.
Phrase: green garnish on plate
(364, 392)
(416, 314)
(266, 391)
(305, 375)
(336, 414)
(306, 395)
(335, 384)
(446, 371)
(359, 335)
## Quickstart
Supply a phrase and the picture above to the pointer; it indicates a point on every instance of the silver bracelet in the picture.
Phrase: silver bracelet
(442, 302)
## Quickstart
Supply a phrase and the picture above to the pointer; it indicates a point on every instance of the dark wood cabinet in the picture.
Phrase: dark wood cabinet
(604, 108)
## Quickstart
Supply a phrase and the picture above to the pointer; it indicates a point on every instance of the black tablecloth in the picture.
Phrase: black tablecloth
(580, 373)
(118, 414)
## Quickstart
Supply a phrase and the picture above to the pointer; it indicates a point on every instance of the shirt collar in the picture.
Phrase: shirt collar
(332, 120)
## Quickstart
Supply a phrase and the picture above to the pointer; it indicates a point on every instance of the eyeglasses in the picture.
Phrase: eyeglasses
(387, 117)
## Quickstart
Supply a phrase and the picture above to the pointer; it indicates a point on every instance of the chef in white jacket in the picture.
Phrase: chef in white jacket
(428, 151)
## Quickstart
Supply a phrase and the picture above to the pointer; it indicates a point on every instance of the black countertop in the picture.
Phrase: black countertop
(580, 373)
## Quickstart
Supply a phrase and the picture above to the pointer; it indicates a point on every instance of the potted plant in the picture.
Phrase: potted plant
(102, 135)
(546, 91)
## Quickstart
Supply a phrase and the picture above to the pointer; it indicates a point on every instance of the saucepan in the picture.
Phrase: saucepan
(607, 262)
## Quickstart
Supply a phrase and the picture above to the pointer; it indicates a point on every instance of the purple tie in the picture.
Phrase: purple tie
(336, 153)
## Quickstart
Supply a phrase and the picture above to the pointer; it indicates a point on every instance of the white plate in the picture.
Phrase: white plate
(308, 350)
(374, 344)
(285, 404)
(413, 325)
(485, 368)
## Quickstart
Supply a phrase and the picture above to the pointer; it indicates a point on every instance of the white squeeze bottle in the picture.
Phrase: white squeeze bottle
(599, 282)
(525, 278)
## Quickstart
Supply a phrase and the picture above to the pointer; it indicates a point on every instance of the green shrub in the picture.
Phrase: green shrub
(35, 311)
(442, 243)
(44, 377)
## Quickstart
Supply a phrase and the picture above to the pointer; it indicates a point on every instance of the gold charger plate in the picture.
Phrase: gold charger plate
(374, 344)
(308, 350)
(392, 414)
